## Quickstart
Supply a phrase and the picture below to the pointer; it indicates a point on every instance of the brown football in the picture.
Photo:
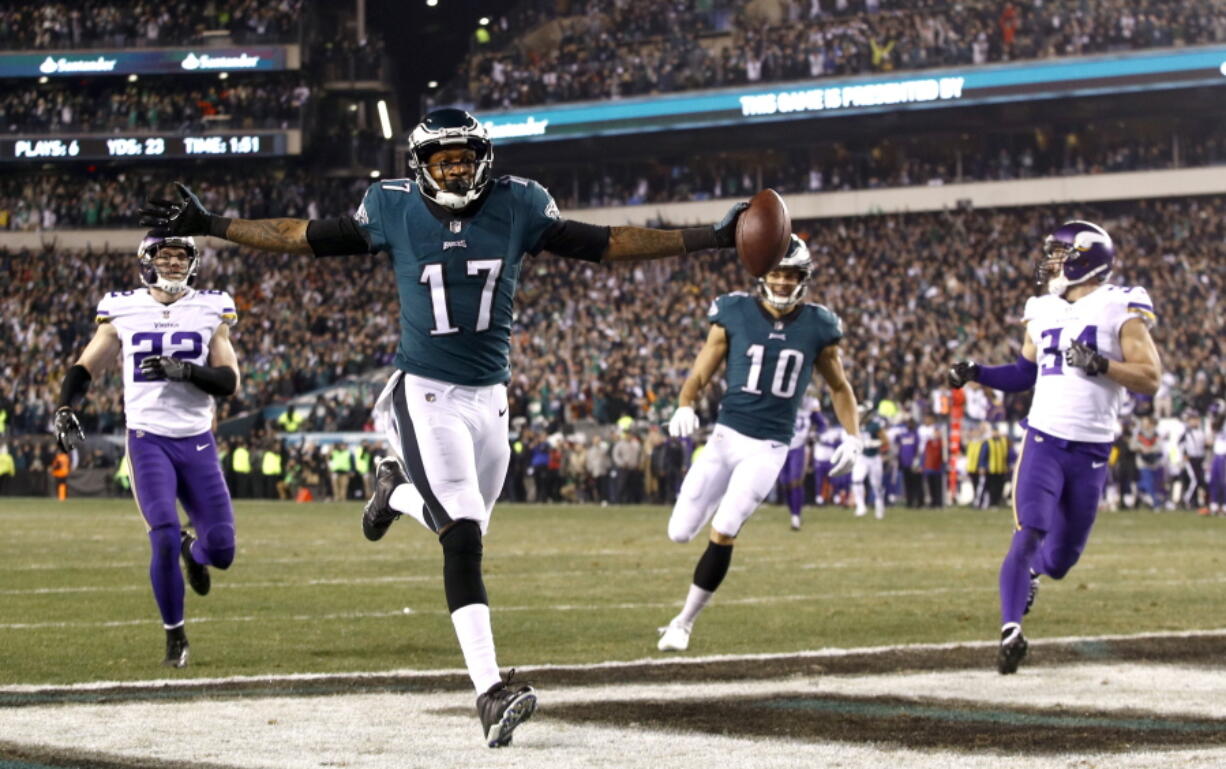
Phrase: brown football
(763, 232)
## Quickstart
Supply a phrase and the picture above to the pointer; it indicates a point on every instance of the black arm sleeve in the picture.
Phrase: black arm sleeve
(337, 237)
(76, 384)
(574, 240)
(214, 380)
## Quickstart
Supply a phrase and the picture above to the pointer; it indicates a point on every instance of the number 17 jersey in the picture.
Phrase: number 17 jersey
(182, 329)
(770, 361)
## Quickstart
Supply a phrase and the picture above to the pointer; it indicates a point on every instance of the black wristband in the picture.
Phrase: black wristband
(76, 384)
(218, 226)
(214, 380)
(699, 239)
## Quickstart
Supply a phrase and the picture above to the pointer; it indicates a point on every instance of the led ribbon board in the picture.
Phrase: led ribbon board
(150, 61)
(44, 148)
(829, 97)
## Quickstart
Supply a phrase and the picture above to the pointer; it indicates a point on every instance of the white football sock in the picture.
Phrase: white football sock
(472, 628)
(694, 603)
(857, 490)
(406, 499)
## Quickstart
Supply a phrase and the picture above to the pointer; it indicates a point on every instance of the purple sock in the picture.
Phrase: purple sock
(1015, 574)
(165, 574)
(796, 499)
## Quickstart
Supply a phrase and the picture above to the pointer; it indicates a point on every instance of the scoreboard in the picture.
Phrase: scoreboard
(148, 146)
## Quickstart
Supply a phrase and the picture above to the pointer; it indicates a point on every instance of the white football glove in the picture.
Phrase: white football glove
(845, 455)
(683, 423)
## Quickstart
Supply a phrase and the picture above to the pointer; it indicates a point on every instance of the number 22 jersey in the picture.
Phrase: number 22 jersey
(182, 329)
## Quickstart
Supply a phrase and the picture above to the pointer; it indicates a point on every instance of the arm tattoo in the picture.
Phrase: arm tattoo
(631, 244)
(285, 235)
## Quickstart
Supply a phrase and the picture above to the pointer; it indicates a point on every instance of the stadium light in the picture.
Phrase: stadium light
(374, 174)
(384, 120)
(432, 84)
(223, 76)
(484, 21)
(431, 3)
(42, 79)
(133, 77)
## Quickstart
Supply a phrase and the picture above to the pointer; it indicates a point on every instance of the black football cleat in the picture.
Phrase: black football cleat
(197, 573)
(503, 708)
(1034, 591)
(1012, 650)
(176, 648)
(378, 514)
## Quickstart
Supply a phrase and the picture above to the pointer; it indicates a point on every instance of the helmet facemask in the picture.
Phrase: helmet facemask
(796, 260)
(451, 129)
(1073, 254)
(147, 254)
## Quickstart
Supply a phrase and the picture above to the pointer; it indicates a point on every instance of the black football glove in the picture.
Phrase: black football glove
(725, 231)
(166, 367)
(1081, 355)
(68, 432)
(184, 217)
(962, 372)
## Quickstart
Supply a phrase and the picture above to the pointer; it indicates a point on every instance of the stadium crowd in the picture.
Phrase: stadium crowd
(608, 347)
(174, 104)
(606, 48)
(119, 24)
(837, 166)
(109, 198)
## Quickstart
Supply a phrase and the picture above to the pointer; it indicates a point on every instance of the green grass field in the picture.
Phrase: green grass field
(567, 584)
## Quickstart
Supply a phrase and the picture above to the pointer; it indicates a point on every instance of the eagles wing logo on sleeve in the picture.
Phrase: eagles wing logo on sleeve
(361, 217)
(551, 210)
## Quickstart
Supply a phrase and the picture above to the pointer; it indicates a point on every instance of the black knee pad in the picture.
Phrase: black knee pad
(462, 565)
(712, 566)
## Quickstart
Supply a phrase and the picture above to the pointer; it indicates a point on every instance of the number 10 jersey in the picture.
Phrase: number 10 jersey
(182, 329)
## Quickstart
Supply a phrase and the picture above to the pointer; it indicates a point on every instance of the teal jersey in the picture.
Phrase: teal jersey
(456, 277)
(872, 444)
(770, 361)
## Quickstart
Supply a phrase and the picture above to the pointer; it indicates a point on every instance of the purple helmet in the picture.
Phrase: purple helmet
(148, 250)
(1076, 252)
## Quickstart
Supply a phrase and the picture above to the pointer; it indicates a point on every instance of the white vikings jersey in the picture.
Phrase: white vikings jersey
(182, 329)
(804, 414)
(1067, 403)
(1219, 441)
(827, 442)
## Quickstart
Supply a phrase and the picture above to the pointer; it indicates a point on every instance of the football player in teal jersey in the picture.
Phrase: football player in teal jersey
(870, 465)
(457, 236)
(772, 343)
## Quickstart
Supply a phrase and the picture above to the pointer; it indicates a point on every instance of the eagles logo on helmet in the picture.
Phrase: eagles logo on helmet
(451, 128)
(797, 258)
(154, 242)
(1076, 252)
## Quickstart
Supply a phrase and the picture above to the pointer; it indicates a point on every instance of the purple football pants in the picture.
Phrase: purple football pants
(792, 478)
(1057, 487)
(1217, 480)
(185, 469)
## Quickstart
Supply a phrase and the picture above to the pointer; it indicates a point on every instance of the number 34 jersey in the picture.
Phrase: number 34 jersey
(182, 329)
(1067, 403)
(770, 362)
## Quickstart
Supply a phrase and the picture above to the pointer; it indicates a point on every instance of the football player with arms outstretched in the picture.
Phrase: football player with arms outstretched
(1085, 343)
(174, 342)
(772, 343)
(457, 236)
